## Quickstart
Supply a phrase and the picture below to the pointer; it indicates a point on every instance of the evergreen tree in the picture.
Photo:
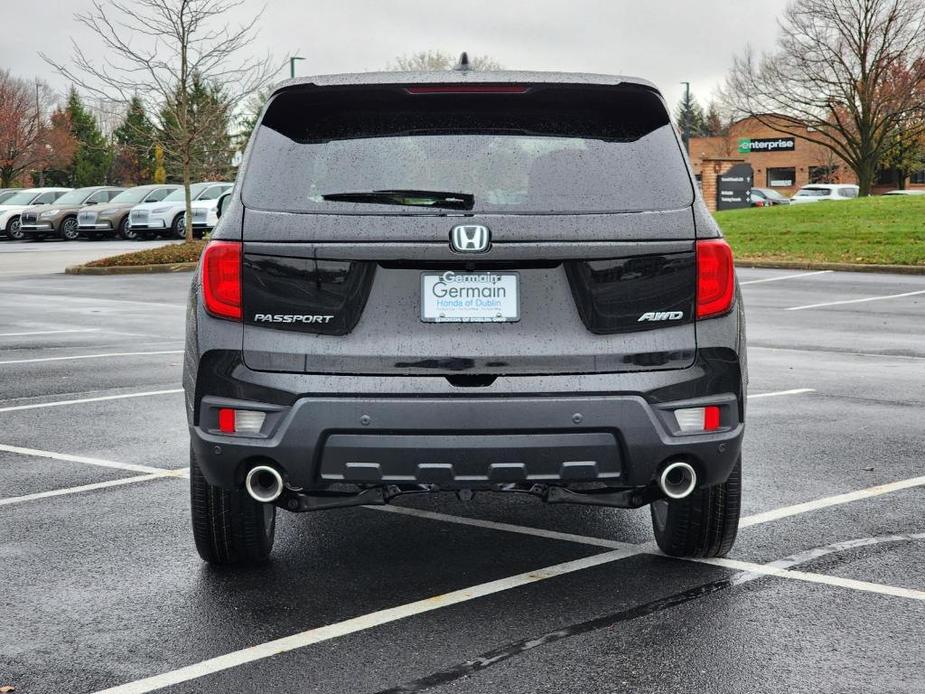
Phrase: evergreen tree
(713, 123)
(690, 108)
(209, 115)
(91, 162)
(134, 143)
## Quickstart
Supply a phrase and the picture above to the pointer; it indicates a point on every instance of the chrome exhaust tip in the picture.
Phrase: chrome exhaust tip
(678, 480)
(264, 484)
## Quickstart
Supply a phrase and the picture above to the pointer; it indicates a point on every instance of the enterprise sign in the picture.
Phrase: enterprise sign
(748, 145)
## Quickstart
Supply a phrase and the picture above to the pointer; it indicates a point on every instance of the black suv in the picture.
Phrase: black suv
(467, 282)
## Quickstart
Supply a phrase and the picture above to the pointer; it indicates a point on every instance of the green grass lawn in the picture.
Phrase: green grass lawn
(878, 230)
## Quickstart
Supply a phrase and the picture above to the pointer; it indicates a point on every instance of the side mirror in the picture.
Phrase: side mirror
(222, 204)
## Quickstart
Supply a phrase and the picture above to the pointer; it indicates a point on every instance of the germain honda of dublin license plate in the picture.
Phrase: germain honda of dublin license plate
(470, 297)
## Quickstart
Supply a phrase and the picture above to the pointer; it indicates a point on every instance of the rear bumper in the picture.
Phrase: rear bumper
(467, 442)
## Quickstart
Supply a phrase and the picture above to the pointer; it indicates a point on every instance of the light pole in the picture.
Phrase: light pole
(292, 60)
(686, 136)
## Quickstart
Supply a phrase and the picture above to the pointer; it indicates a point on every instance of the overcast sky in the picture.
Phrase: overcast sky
(666, 41)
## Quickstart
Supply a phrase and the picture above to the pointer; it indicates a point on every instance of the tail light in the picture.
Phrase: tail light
(715, 278)
(698, 418)
(232, 421)
(221, 279)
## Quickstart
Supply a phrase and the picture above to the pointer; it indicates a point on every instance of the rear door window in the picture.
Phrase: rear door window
(549, 148)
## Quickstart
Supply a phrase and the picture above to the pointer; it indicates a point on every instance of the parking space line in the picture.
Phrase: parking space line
(763, 569)
(101, 398)
(752, 396)
(83, 488)
(828, 501)
(841, 352)
(325, 633)
(786, 277)
(89, 356)
(361, 623)
(505, 527)
(834, 581)
(178, 473)
(499, 654)
(50, 332)
(82, 459)
(855, 301)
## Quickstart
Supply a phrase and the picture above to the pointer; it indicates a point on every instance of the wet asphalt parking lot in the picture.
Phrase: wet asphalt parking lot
(101, 588)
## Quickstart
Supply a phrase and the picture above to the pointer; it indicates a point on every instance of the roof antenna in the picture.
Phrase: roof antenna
(463, 64)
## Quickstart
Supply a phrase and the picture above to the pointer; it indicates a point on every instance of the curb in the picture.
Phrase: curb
(841, 267)
(130, 269)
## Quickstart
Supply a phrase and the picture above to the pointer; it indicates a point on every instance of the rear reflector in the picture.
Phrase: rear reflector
(240, 421)
(698, 418)
(715, 278)
(221, 279)
(226, 420)
(469, 89)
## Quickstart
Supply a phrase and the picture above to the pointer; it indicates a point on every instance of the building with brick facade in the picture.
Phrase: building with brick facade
(781, 162)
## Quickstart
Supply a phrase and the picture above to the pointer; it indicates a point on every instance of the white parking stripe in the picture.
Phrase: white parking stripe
(82, 459)
(312, 636)
(855, 301)
(752, 396)
(90, 356)
(50, 332)
(76, 490)
(178, 473)
(506, 527)
(351, 626)
(60, 403)
(786, 277)
(828, 501)
(839, 352)
(835, 581)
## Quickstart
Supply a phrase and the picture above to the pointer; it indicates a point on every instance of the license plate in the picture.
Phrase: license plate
(470, 297)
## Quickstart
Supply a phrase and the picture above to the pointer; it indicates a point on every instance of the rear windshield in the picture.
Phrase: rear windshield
(548, 149)
(813, 192)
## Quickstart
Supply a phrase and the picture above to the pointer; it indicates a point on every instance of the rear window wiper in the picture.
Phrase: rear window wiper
(418, 198)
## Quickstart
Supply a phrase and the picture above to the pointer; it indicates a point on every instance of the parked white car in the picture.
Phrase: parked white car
(167, 217)
(15, 204)
(907, 191)
(817, 192)
(205, 208)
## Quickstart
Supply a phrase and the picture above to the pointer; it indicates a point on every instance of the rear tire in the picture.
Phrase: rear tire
(702, 525)
(229, 527)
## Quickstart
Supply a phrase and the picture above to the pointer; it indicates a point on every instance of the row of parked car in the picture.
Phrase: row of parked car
(142, 212)
(816, 192)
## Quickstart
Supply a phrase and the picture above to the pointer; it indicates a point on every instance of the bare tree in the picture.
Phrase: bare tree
(33, 138)
(850, 70)
(425, 61)
(156, 50)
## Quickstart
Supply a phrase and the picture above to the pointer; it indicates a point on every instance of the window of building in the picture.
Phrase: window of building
(823, 174)
(917, 177)
(782, 177)
(888, 177)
